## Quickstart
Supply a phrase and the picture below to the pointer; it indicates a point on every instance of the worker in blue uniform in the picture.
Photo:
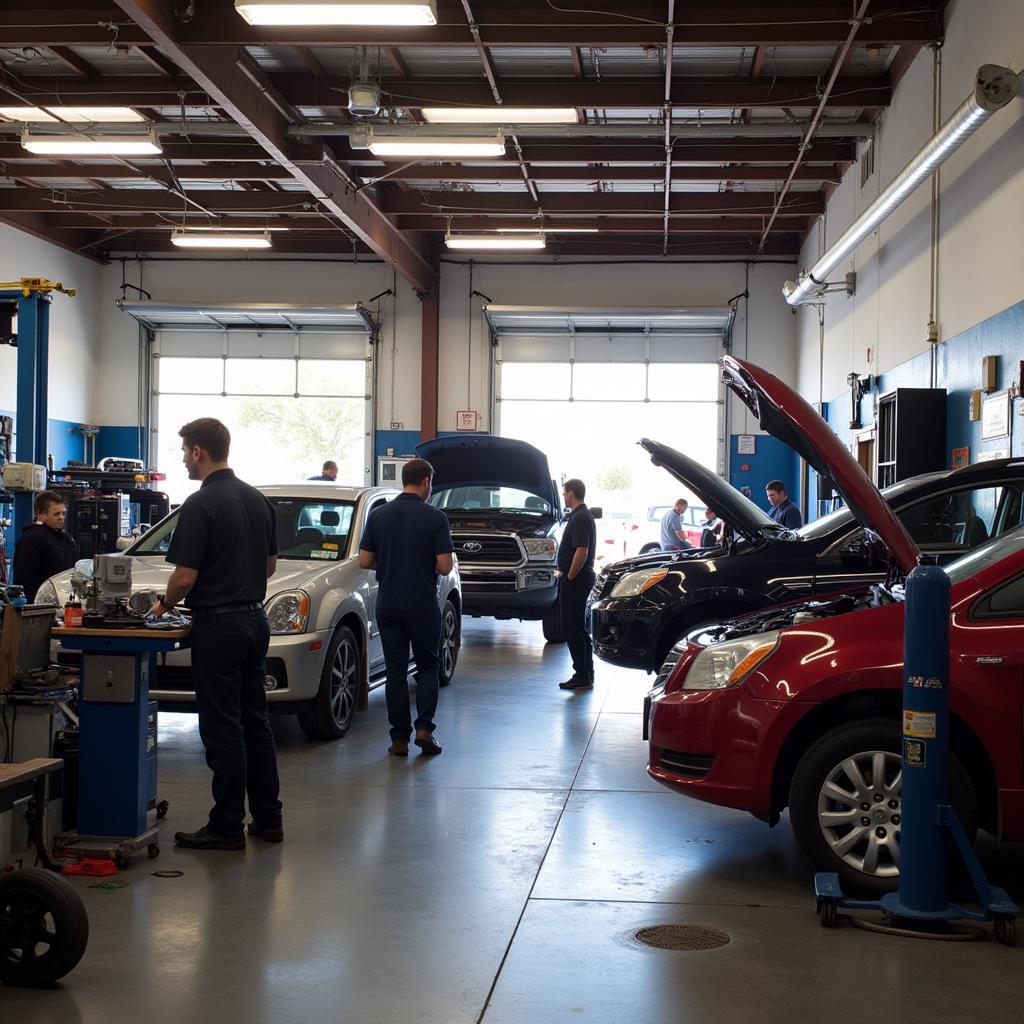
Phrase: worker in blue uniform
(783, 511)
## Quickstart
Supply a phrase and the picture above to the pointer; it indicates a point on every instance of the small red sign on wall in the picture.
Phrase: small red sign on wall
(961, 457)
(467, 419)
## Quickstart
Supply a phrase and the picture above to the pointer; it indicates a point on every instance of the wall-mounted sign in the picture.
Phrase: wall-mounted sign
(995, 453)
(746, 444)
(995, 416)
(961, 458)
(467, 419)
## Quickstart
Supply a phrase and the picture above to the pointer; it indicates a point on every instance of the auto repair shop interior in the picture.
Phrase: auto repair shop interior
(676, 250)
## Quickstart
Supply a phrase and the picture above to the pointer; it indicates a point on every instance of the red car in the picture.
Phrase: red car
(799, 705)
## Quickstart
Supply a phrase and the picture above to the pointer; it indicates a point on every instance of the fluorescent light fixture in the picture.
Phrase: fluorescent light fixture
(71, 115)
(436, 145)
(550, 230)
(338, 12)
(500, 115)
(83, 145)
(221, 240)
(534, 241)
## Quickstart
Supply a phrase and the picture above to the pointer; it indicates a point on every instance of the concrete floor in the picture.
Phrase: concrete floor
(501, 882)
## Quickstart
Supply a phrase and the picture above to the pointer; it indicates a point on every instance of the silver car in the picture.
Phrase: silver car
(325, 648)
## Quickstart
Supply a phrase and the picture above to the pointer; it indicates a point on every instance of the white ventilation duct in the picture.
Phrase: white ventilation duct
(994, 88)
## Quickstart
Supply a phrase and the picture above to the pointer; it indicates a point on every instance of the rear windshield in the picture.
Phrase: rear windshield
(489, 498)
(307, 528)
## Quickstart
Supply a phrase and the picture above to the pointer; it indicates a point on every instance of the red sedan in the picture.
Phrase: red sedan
(799, 705)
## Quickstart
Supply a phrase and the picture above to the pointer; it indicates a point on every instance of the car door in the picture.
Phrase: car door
(376, 650)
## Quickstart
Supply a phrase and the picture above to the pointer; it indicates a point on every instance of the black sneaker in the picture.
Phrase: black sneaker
(204, 839)
(268, 833)
(578, 683)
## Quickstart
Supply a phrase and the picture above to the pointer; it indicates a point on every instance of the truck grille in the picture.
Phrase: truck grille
(492, 583)
(491, 550)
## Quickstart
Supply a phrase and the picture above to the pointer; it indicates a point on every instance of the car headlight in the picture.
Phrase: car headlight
(47, 594)
(637, 582)
(723, 665)
(288, 612)
(540, 548)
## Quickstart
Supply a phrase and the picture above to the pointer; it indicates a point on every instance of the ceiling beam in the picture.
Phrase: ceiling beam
(157, 61)
(607, 203)
(128, 90)
(541, 172)
(742, 247)
(218, 70)
(214, 172)
(609, 225)
(131, 200)
(39, 226)
(78, 65)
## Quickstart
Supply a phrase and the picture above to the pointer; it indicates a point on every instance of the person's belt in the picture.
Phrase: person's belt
(225, 609)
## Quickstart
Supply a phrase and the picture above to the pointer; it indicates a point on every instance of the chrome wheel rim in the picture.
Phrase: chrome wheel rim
(449, 642)
(859, 812)
(344, 673)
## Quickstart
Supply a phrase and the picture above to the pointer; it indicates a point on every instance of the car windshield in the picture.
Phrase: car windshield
(843, 516)
(490, 498)
(307, 528)
(986, 555)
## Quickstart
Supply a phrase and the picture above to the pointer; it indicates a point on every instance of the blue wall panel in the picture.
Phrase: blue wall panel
(772, 460)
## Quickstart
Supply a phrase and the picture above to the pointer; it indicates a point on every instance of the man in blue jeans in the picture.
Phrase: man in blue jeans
(224, 549)
(409, 543)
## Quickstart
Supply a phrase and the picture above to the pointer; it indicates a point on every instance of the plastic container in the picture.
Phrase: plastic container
(73, 614)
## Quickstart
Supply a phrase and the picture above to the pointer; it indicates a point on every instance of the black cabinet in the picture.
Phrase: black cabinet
(911, 433)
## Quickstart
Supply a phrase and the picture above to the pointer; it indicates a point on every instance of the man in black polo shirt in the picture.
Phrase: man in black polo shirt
(224, 547)
(409, 544)
(576, 552)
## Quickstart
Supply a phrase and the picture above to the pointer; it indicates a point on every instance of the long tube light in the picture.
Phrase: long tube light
(55, 114)
(439, 146)
(84, 145)
(485, 242)
(215, 240)
(994, 88)
(500, 115)
(338, 12)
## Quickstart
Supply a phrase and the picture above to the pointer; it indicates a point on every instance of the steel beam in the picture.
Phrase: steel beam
(678, 225)
(542, 172)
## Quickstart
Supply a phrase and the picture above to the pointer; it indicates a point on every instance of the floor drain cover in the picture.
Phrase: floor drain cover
(682, 937)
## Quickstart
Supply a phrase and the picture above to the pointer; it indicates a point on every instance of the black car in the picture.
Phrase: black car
(505, 515)
(640, 607)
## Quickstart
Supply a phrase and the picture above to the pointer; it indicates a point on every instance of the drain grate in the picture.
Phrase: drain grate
(685, 937)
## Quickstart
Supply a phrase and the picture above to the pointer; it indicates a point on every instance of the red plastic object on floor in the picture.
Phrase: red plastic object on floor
(90, 867)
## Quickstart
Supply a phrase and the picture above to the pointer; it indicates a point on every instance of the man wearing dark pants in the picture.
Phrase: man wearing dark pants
(576, 552)
(224, 548)
(409, 543)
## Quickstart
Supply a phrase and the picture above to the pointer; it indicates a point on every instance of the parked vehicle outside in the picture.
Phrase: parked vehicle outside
(325, 649)
(648, 536)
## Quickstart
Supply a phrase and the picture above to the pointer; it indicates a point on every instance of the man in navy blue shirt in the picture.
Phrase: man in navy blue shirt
(783, 511)
(328, 472)
(409, 543)
(576, 552)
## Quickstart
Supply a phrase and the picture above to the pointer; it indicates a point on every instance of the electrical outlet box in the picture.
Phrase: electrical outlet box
(989, 372)
(975, 413)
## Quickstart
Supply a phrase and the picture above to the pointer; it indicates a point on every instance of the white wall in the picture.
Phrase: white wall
(73, 345)
(981, 204)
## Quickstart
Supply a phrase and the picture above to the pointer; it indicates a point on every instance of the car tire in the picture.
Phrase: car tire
(552, 624)
(851, 850)
(331, 711)
(451, 640)
(46, 908)
(649, 549)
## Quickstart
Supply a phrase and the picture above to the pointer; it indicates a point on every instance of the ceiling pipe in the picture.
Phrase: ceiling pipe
(994, 88)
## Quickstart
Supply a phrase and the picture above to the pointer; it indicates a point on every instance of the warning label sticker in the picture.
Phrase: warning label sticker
(914, 752)
(919, 724)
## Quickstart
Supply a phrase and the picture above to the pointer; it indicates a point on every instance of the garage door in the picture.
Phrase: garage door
(293, 384)
(585, 385)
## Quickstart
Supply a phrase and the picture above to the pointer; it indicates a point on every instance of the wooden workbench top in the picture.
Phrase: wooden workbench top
(10, 774)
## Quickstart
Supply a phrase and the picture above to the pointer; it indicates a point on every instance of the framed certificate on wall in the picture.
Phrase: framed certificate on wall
(995, 416)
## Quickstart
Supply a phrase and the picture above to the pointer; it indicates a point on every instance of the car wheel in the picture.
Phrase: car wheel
(552, 624)
(648, 549)
(44, 928)
(850, 768)
(330, 713)
(450, 641)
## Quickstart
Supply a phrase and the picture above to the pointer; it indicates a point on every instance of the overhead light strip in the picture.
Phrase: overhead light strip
(337, 12)
(495, 242)
(500, 115)
(85, 145)
(225, 240)
(436, 145)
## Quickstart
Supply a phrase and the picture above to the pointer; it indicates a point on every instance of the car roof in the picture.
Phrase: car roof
(325, 490)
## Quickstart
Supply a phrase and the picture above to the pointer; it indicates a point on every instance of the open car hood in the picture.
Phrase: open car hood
(785, 415)
(482, 460)
(738, 512)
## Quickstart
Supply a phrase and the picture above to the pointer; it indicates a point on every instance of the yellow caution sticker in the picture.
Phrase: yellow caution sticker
(919, 724)
(330, 547)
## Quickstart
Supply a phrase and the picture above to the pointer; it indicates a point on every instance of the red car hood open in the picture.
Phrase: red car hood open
(785, 415)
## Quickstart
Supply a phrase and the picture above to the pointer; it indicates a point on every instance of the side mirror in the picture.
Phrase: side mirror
(124, 543)
(597, 513)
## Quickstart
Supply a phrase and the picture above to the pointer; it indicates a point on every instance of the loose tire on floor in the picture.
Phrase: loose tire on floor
(330, 713)
(44, 928)
(847, 768)
(451, 640)
(552, 624)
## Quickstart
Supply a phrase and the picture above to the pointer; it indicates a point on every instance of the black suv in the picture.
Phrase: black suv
(641, 606)
(506, 517)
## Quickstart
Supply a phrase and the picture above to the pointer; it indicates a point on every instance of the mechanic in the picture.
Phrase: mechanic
(712, 531)
(329, 471)
(672, 536)
(224, 549)
(44, 548)
(783, 511)
(576, 552)
(409, 543)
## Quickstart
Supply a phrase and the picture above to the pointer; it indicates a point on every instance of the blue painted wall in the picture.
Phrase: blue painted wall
(772, 460)
(958, 370)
